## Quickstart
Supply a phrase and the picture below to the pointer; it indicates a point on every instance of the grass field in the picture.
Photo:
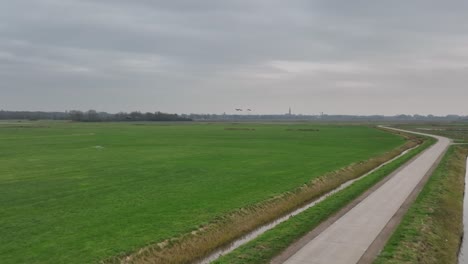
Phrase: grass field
(82, 192)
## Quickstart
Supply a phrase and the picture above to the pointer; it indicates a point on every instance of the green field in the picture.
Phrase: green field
(82, 192)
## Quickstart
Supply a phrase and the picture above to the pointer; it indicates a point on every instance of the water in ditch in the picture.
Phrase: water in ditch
(463, 255)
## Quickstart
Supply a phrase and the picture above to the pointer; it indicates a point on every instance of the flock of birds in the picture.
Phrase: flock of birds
(240, 110)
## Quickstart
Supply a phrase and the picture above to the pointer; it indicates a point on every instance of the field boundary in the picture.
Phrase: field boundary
(200, 243)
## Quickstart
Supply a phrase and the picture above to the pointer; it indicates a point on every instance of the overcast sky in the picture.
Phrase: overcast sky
(211, 56)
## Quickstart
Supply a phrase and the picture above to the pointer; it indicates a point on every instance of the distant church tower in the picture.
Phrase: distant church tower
(289, 110)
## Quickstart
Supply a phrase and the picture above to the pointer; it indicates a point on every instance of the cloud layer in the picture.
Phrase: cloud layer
(210, 56)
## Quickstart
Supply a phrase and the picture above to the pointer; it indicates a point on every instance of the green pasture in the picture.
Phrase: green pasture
(82, 192)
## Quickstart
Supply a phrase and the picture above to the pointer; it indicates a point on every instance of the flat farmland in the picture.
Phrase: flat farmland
(457, 131)
(83, 192)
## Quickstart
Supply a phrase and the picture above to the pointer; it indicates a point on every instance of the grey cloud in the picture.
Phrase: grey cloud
(352, 57)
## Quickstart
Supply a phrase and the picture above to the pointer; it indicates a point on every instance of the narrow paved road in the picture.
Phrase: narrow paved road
(346, 240)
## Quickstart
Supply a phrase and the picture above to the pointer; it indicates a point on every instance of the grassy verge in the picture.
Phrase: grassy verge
(430, 231)
(231, 226)
(271, 243)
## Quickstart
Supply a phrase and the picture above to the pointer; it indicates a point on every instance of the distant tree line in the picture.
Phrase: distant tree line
(91, 116)
(331, 118)
(29, 115)
(94, 116)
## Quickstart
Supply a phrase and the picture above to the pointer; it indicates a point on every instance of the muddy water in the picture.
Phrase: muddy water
(257, 232)
(463, 256)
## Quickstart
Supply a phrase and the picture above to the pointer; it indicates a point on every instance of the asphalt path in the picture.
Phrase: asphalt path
(348, 239)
